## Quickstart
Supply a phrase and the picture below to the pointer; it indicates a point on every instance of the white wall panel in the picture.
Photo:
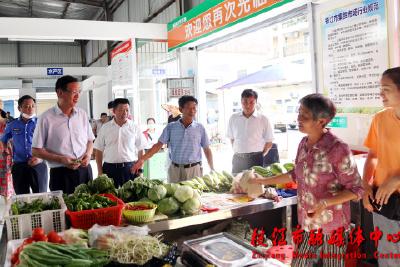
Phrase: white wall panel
(8, 54)
(39, 54)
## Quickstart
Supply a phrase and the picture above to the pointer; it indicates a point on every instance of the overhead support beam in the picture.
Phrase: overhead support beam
(32, 72)
(84, 2)
(30, 8)
(108, 17)
(62, 29)
(159, 11)
(65, 10)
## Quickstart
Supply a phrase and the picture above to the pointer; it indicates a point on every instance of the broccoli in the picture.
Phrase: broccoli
(81, 189)
(102, 184)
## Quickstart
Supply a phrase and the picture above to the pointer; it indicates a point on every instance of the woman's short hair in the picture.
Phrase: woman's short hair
(320, 106)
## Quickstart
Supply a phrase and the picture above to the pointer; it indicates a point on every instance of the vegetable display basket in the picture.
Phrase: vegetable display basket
(139, 216)
(105, 216)
(21, 226)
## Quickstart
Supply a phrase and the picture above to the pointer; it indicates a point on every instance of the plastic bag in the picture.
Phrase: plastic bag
(101, 236)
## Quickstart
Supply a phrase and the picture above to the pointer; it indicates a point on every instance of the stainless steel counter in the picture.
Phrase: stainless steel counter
(235, 210)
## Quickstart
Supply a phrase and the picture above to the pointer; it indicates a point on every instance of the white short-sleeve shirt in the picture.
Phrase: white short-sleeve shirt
(120, 143)
(63, 135)
(249, 134)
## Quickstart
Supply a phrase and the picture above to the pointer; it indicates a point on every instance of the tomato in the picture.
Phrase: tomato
(38, 234)
(53, 237)
(28, 241)
(42, 238)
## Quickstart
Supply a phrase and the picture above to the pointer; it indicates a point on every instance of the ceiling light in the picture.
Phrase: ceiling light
(40, 40)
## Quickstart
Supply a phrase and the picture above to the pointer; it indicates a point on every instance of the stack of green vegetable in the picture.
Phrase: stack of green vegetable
(273, 169)
(37, 205)
(79, 202)
(213, 182)
(49, 254)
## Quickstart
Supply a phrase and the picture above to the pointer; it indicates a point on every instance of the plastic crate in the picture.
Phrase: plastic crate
(21, 226)
(106, 216)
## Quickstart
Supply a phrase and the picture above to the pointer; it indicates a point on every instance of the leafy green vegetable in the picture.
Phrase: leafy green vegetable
(168, 206)
(157, 193)
(191, 206)
(37, 205)
(102, 184)
(79, 202)
(183, 193)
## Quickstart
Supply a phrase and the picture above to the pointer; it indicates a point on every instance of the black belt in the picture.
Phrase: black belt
(186, 165)
(247, 155)
(120, 165)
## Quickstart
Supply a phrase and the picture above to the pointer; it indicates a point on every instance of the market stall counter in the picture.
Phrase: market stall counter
(229, 206)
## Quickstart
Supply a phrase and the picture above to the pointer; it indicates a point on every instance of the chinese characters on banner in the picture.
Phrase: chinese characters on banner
(355, 53)
(178, 87)
(212, 15)
(122, 65)
(316, 238)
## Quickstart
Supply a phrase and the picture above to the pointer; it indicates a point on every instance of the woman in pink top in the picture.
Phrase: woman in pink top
(327, 179)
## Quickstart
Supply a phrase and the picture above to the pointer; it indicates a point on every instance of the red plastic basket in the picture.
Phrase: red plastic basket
(106, 216)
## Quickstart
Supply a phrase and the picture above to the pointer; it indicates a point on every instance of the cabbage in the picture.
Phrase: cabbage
(171, 188)
(183, 193)
(157, 193)
(196, 193)
(168, 206)
(191, 206)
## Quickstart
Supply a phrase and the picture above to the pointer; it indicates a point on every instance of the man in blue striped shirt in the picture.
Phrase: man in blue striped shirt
(185, 139)
(28, 172)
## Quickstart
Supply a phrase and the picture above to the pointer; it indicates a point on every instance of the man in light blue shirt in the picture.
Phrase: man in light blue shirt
(64, 138)
(185, 139)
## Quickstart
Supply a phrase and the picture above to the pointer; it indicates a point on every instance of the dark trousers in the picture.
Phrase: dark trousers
(272, 156)
(65, 179)
(26, 177)
(119, 172)
(244, 161)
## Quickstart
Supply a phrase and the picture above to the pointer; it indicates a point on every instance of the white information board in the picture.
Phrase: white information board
(355, 53)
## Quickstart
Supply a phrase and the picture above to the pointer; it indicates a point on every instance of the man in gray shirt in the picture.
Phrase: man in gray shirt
(64, 138)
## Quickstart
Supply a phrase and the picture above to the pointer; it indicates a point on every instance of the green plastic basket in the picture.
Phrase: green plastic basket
(139, 216)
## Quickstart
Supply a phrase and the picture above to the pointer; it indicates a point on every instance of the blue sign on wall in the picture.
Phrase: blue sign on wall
(55, 71)
(158, 71)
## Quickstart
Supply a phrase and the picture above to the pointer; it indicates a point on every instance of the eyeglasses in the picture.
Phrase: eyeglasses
(74, 92)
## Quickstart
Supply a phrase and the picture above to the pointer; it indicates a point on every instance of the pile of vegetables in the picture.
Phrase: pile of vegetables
(137, 189)
(273, 169)
(37, 205)
(79, 202)
(101, 185)
(38, 235)
(276, 169)
(138, 249)
(214, 182)
(49, 254)
(174, 198)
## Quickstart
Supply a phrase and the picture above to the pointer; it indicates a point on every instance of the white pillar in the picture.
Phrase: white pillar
(27, 89)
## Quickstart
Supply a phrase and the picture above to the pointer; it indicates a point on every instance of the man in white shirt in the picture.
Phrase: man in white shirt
(119, 143)
(64, 138)
(99, 123)
(250, 133)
